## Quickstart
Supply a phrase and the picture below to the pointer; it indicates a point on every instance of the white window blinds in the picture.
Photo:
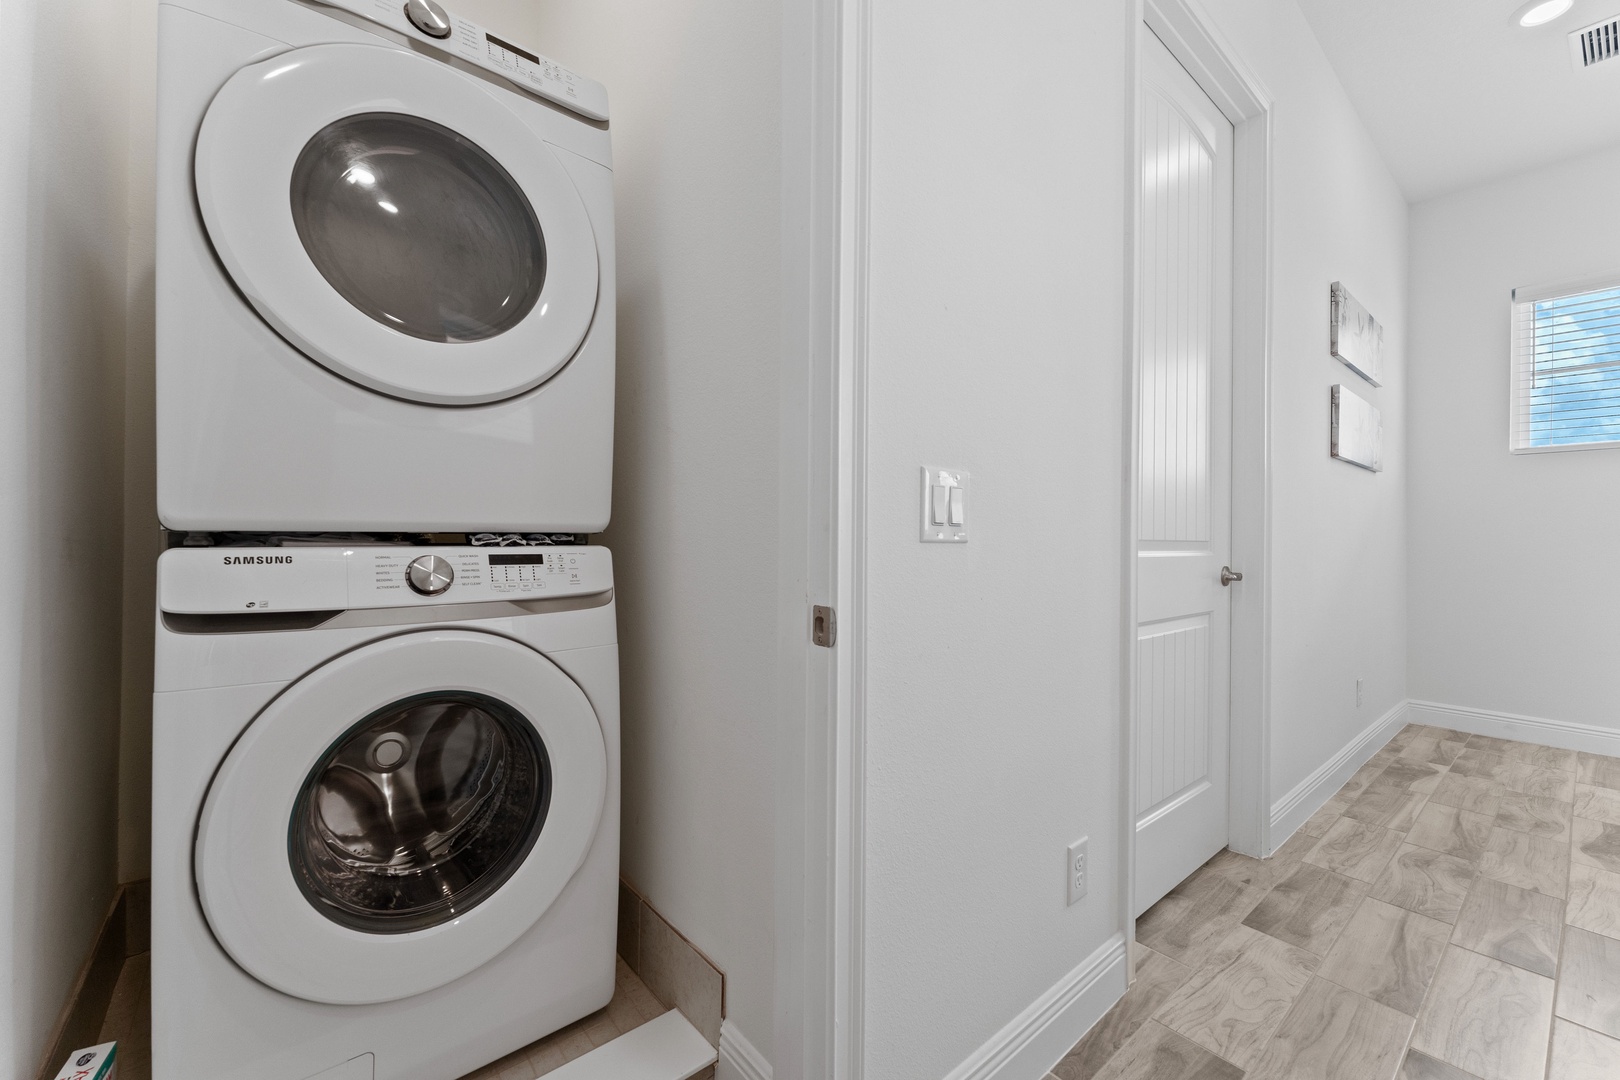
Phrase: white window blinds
(1566, 367)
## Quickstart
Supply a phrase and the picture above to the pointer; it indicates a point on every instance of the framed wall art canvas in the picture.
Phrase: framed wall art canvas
(1356, 337)
(1358, 430)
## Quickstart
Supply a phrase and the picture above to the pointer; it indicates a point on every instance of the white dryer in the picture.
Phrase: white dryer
(385, 289)
(385, 808)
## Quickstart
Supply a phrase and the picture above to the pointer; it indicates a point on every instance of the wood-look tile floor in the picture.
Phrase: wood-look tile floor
(1453, 913)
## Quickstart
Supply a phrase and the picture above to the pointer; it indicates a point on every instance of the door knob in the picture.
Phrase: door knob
(1228, 575)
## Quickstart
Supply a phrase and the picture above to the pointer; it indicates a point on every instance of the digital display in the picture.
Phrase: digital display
(509, 47)
(536, 559)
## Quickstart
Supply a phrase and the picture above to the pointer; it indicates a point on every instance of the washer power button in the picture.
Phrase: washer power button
(429, 575)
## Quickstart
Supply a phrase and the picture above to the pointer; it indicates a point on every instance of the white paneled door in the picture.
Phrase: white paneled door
(1184, 492)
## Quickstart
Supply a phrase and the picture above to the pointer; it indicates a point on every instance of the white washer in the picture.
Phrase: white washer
(385, 289)
(385, 829)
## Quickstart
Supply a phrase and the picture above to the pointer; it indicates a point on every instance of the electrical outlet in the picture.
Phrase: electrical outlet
(1361, 683)
(1077, 869)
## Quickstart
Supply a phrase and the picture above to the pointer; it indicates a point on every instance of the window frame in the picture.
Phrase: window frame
(1523, 300)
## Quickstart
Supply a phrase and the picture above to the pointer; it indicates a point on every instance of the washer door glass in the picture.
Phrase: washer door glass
(401, 814)
(418, 227)
(419, 812)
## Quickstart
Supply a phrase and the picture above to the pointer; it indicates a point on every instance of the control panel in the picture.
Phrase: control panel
(427, 21)
(220, 580)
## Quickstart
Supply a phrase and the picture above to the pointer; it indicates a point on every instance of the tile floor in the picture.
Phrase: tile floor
(1453, 913)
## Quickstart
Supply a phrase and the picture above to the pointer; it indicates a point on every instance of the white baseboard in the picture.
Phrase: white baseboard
(738, 1058)
(1310, 794)
(1037, 1039)
(1560, 733)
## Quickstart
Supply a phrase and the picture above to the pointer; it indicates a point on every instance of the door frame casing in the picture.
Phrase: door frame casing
(820, 755)
(1190, 35)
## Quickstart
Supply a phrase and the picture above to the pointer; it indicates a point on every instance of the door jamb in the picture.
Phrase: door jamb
(820, 759)
(1193, 39)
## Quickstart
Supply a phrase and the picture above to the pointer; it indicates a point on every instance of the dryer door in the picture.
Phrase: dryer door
(397, 222)
(399, 816)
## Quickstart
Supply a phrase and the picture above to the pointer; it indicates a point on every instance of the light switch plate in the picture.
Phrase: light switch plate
(949, 479)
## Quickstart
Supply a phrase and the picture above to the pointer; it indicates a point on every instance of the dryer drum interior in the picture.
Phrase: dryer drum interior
(419, 812)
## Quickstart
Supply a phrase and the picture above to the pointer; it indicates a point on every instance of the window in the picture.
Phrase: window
(1566, 367)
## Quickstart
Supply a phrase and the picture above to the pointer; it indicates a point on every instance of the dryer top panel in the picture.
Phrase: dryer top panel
(241, 580)
(468, 41)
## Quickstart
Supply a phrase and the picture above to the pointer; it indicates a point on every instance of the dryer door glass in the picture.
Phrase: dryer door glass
(419, 812)
(418, 227)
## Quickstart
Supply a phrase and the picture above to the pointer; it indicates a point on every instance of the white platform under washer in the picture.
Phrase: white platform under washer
(385, 837)
(385, 274)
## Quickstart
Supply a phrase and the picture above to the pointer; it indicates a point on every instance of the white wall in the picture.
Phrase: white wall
(63, 220)
(1515, 579)
(695, 92)
(143, 536)
(1338, 532)
(997, 317)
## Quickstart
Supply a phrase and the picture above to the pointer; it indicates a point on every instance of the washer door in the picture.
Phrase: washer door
(399, 816)
(397, 222)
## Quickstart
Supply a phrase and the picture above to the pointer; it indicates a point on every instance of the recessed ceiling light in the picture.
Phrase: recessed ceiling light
(1540, 12)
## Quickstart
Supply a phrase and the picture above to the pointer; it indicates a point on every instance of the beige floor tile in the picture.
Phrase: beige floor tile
(1321, 821)
(1535, 780)
(1157, 1053)
(1420, 1066)
(1422, 777)
(1487, 1017)
(1514, 925)
(1475, 793)
(1456, 832)
(1535, 814)
(1334, 1034)
(1596, 843)
(1388, 805)
(1308, 908)
(1481, 764)
(1548, 757)
(1431, 750)
(1582, 1054)
(1492, 744)
(1428, 882)
(1530, 862)
(1362, 779)
(1243, 868)
(1387, 954)
(1589, 981)
(1355, 849)
(1598, 770)
(1594, 900)
(1291, 854)
(1196, 915)
(1597, 803)
(1157, 976)
(1423, 748)
(1234, 1003)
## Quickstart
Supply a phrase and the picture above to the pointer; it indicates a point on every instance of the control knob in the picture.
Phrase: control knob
(429, 575)
(428, 17)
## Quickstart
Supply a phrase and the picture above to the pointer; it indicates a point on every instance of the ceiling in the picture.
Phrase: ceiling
(1455, 92)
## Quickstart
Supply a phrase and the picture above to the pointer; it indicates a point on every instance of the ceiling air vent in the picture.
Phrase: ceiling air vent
(1595, 44)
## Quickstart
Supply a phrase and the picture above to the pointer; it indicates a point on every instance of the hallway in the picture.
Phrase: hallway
(1453, 913)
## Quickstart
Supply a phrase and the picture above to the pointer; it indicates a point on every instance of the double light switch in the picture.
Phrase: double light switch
(944, 506)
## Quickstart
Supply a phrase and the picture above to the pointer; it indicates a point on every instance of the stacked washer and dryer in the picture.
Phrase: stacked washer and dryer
(385, 776)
